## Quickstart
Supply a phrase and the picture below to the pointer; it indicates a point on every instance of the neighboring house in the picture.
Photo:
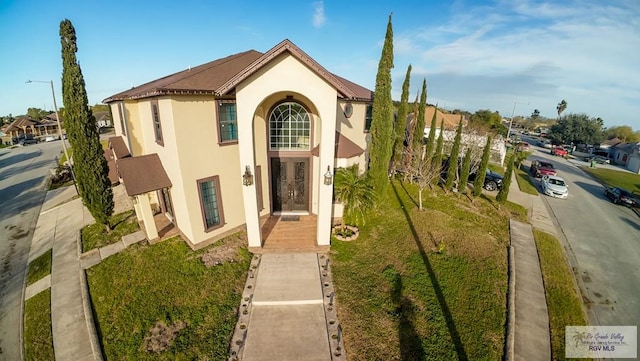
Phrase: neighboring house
(25, 125)
(627, 154)
(237, 142)
(451, 121)
(103, 119)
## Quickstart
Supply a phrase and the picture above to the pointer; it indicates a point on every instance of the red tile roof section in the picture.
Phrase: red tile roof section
(142, 174)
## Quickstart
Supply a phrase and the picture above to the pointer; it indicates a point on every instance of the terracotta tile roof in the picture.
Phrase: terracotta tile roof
(119, 147)
(142, 174)
(220, 77)
(345, 148)
(451, 121)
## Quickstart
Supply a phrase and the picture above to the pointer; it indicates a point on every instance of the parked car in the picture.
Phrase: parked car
(28, 141)
(492, 180)
(50, 138)
(559, 152)
(598, 159)
(523, 147)
(539, 169)
(554, 186)
(621, 196)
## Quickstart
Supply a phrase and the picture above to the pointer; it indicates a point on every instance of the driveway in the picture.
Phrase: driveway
(23, 171)
(603, 244)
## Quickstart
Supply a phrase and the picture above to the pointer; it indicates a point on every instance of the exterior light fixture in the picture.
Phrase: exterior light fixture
(247, 177)
(328, 177)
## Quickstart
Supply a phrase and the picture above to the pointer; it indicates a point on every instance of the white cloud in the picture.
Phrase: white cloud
(319, 19)
(538, 52)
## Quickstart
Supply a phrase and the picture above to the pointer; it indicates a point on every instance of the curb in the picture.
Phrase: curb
(509, 353)
(86, 305)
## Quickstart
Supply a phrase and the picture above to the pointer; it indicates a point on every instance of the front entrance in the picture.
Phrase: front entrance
(289, 184)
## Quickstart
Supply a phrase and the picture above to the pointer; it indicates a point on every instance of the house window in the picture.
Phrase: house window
(227, 121)
(211, 203)
(368, 117)
(289, 127)
(121, 116)
(157, 126)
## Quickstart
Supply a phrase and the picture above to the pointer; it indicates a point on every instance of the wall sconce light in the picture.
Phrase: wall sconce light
(328, 177)
(247, 177)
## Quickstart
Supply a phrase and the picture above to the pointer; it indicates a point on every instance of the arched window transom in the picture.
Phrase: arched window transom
(289, 127)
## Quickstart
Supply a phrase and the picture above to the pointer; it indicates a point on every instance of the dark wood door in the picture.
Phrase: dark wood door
(289, 184)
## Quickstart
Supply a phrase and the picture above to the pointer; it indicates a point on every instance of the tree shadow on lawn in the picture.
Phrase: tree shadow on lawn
(453, 331)
(410, 341)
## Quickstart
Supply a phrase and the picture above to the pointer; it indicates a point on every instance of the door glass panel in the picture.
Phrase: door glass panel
(300, 172)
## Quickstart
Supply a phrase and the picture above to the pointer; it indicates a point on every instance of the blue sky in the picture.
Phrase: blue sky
(473, 54)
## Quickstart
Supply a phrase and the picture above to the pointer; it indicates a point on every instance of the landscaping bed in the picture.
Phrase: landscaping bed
(122, 224)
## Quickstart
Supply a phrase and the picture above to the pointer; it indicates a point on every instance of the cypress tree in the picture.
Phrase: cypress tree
(408, 152)
(504, 191)
(478, 183)
(418, 136)
(437, 158)
(453, 158)
(90, 165)
(382, 122)
(464, 172)
(431, 141)
(401, 122)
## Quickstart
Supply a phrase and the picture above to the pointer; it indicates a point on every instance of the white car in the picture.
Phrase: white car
(50, 138)
(555, 186)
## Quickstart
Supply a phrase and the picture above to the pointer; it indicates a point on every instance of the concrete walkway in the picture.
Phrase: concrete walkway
(59, 223)
(528, 336)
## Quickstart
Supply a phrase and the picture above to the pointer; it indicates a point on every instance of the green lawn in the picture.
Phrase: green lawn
(94, 235)
(425, 285)
(167, 282)
(38, 339)
(614, 178)
(563, 300)
(525, 183)
(39, 267)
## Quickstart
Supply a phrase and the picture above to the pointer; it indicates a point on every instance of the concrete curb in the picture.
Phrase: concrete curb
(511, 307)
(86, 305)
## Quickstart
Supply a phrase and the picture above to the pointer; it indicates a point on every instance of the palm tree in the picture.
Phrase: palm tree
(561, 107)
(356, 194)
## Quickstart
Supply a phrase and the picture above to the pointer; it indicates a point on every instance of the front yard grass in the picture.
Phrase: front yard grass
(425, 285)
(525, 183)
(38, 338)
(563, 300)
(94, 235)
(39, 267)
(615, 178)
(167, 282)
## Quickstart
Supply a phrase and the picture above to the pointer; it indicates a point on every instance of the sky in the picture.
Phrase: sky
(510, 56)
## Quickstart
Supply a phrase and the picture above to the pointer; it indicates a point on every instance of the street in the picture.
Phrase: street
(23, 173)
(602, 241)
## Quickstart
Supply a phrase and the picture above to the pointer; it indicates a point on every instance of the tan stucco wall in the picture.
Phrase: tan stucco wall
(199, 156)
(134, 130)
(353, 128)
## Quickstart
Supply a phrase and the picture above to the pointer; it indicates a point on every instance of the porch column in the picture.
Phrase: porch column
(327, 159)
(147, 216)
(245, 113)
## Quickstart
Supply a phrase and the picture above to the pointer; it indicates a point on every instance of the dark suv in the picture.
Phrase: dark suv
(492, 180)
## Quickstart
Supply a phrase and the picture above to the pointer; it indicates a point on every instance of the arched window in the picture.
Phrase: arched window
(289, 127)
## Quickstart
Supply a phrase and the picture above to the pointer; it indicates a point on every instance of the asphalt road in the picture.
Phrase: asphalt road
(23, 173)
(603, 244)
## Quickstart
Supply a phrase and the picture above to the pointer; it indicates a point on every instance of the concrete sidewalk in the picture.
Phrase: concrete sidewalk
(528, 336)
(58, 226)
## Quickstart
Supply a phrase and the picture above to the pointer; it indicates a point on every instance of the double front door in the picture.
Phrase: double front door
(289, 184)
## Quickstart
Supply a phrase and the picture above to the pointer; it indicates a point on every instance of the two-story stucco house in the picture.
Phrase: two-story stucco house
(239, 143)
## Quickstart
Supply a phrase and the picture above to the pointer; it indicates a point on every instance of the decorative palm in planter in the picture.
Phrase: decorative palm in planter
(356, 194)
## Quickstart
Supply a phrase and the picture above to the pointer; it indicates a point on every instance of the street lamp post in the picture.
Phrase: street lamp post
(511, 120)
(55, 108)
(64, 144)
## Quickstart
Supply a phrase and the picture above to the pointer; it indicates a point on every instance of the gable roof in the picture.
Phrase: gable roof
(345, 148)
(21, 122)
(221, 76)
